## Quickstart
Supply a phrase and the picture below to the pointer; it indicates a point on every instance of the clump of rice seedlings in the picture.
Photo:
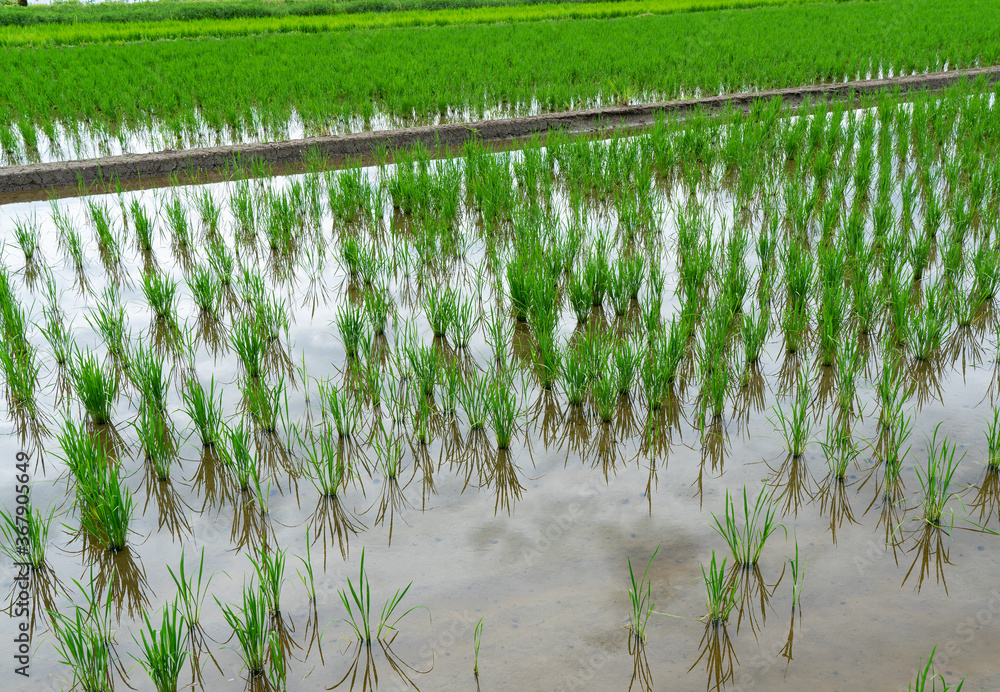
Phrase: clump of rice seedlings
(351, 324)
(165, 650)
(177, 221)
(191, 590)
(641, 599)
(993, 442)
(373, 379)
(107, 241)
(83, 645)
(161, 294)
(425, 363)
(798, 566)
(157, 442)
(204, 408)
(439, 304)
(605, 397)
(108, 508)
(839, 449)
(142, 226)
(502, 410)
(149, 377)
(936, 478)
(451, 386)
(625, 361)
(755, 325)
(548, 357)
(795, 426)
(358, 604)
(277, 675)
(109, 322)
(209, 210)
(96, 388)
(270, 568)
(72, 242)
(721, 592)
(928, 678)
(205, 290)
(20, 371)
(794, 325)
(59, 337)
(263, 403)
(929, 327)
(574, 375)
(238, 456)
(342, 407)
(618, 290)
(498, 334)
(251, 626)
(377, 307)
(28, 237)
(388, 451)
(595, 271)
(746, 542)
(475, 400)
(847, 364)
(465, 321)
(327, 467)
(580, 297)
(655, 385)
(270, 317)
(25, 533)
(249, 346)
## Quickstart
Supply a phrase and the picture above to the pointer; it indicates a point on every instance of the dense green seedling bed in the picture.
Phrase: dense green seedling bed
(256, 86)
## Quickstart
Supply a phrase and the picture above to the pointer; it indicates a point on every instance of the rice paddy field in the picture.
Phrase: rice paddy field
(709, 406)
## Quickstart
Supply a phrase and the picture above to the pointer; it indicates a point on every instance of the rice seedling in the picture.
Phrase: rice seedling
(377, 307)
(605, 397)
(107, 514)
(263, 403)
(993, 441)
(798, 566)
(209, 210)
(928, 678)
(475, 400)
(161, 294)
(847, 364)
(930, 326)
(839, 448)
(250, 625)
(59, 337)
(20, 372)
(204, 408)
(270, 317)
(157, 441)
(351, 324)
(389, 452)
(580, 297)
(25, 533)
(96, 388)
(625, 361)
(755, 326)
(107, 240)
(795, 426)
(248, 344)
(425, 363)
(83, 646)
(165, 650)
(502, 410)
(451, 385)
(109, 322)
(205, 290)
(721, 592)
(28, 237)
(149, 377)
(327, 467)
(641, 599)
(936, 478)
(191, 590)
(270, 568)
(360, 617)
(238, 456)
(177, 221)
(465, 321)
(440, 305)
(477, 639)
(746, 542)
(277, 675)
(142, 226)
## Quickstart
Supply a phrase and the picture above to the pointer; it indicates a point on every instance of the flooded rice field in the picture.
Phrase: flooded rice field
(708, 407)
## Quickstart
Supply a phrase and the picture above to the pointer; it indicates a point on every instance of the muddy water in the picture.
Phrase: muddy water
(535, 540)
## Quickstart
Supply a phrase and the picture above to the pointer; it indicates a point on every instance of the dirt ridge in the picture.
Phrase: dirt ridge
(129, 167)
